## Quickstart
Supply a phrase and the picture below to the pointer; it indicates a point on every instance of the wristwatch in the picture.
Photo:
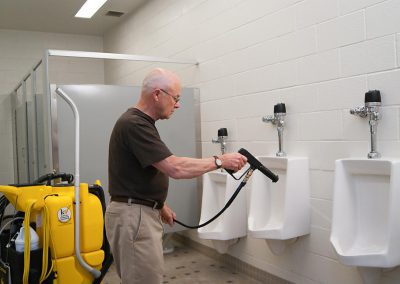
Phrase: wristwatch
(218, 162)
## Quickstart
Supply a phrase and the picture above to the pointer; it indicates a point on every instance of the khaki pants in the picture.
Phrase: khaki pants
(135, 236)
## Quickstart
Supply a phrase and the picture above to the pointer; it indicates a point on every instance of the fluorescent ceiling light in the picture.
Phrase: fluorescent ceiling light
(90, 8)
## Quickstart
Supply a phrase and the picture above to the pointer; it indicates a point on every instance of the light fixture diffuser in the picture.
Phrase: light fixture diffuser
(90, 8)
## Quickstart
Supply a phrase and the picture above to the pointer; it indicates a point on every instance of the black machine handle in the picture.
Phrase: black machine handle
(47, 178)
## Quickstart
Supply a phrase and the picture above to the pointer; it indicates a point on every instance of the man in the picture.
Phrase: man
(139, 167)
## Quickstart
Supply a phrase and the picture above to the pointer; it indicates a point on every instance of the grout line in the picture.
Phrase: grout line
(233, 262)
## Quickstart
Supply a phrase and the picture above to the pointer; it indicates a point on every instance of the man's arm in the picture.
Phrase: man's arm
(186, 168)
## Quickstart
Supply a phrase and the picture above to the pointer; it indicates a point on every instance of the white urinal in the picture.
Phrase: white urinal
(218, 188)
(279, 212)
(366, 212)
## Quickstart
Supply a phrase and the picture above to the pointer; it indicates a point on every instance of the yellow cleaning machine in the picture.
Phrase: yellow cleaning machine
(61, 239)
(46, 251)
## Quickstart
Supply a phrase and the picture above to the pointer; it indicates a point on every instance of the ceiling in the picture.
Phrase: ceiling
(58, 15)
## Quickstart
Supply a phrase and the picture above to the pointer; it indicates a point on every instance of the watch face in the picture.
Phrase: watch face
(217, 161)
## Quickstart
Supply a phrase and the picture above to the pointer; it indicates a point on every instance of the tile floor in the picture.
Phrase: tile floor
(186, 265)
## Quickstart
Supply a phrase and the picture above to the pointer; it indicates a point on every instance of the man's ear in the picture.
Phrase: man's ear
(156, 95)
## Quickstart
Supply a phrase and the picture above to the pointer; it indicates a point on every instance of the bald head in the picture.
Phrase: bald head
(159, 79)
(160, 94)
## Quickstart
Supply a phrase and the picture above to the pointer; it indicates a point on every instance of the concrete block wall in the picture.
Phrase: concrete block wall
(317, 56)
(20, 51)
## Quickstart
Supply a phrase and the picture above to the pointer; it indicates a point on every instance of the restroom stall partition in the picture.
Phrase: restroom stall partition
(99, 108)
(30, 127)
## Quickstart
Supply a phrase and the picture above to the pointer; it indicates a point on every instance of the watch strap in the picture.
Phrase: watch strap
(215, 161)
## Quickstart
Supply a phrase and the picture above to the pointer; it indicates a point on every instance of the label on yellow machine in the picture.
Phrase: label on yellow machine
(64, 214)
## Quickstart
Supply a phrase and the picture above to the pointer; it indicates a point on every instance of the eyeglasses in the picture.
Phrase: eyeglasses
(176, 98)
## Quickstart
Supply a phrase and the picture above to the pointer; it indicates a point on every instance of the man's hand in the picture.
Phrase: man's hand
(167, 215)
(233, 161)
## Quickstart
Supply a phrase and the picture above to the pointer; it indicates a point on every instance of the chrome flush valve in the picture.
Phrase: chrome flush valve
(371, 110)
(222, 136)
(278, 119)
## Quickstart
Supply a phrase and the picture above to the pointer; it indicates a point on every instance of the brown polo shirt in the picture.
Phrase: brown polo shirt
(135, 145)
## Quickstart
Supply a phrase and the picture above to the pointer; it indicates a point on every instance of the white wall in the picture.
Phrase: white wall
(20, 50)
(317, 56)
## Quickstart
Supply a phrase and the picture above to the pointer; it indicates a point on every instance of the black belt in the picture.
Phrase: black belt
(151, 203)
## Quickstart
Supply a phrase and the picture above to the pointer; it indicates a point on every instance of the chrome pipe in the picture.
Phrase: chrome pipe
(96, 273)
(278, 119)
(371, 109)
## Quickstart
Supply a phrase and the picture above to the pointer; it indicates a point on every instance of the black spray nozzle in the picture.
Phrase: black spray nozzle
(280, 108)
(256, 164)
(373, 96)
(222, 132)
